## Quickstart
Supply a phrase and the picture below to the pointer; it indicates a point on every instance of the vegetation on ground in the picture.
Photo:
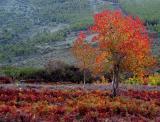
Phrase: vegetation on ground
(153, 80)
(53, 72)
(78, 105)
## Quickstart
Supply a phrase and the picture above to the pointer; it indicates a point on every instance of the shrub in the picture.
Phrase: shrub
(21, 72)
(54, 71)
(54, 65)
(134, 80)
(5, 80)
(154, 80)
(60, 71)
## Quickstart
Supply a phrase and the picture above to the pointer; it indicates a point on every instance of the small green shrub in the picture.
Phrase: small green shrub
(154, 80)
(20, 72)
(134, 80)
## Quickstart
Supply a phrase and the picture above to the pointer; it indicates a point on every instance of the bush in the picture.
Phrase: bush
(21, 73)
(134, 80)
(151, 80)
(154, 80)
(60, 71)
(54, 71)
(54, 65)
(5, 80)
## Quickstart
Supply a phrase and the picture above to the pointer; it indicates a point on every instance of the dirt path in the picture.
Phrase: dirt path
(78, 86)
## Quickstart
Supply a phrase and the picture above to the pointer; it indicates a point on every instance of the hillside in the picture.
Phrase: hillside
(34, 30)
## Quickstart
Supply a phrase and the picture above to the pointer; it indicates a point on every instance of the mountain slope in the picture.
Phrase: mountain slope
(32, 29)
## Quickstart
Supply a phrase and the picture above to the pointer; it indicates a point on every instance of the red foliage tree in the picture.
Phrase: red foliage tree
(125, 43)
(122, 45)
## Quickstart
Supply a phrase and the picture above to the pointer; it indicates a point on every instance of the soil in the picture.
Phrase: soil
(79, 86)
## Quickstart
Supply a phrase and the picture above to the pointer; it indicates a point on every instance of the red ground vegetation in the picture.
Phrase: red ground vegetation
(78, 105)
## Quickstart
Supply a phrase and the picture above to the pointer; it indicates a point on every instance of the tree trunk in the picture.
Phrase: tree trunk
(115, 81)
(84, 77)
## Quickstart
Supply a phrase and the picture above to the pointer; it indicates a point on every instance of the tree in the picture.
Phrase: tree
(124, 45)
(84, 53)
